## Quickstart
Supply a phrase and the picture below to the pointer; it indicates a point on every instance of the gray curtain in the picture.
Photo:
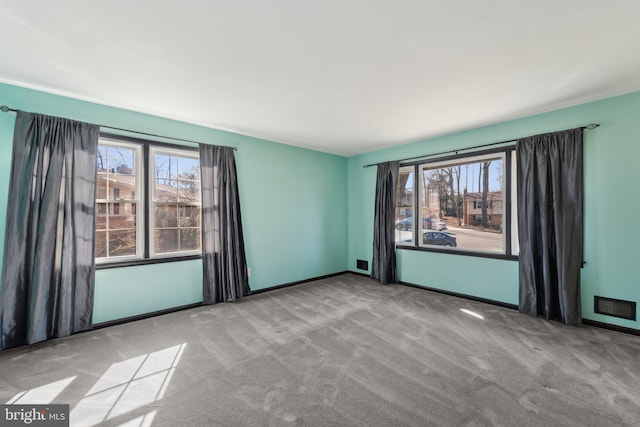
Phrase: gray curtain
(550, 194)
(383, 266)
(48, 265)
(225, 275)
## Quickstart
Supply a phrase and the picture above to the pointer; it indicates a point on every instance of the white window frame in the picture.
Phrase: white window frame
(153, 203)
(145, 208)
(411, 208)
(139, 201)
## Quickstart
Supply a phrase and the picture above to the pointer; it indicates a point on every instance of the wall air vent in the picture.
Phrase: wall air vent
(362, 264)
(615, 307)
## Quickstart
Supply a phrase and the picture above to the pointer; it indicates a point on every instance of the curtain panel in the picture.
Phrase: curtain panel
(48, 268)
(225, 276)
(550, 224)
(383, 266)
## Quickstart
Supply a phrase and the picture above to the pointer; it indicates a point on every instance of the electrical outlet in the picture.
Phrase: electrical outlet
(248, 272)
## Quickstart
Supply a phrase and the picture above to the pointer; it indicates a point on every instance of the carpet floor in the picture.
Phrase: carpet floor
(341, 351)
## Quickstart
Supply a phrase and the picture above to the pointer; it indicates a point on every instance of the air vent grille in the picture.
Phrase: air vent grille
(615, 307)
(362, 264)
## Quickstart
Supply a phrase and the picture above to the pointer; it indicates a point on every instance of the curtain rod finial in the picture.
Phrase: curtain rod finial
(592, 126)
(4, 108)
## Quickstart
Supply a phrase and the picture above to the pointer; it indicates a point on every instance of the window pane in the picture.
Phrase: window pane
(189, 168)
(189, 216)
(101, 216)
(166, 190)
(120, 160)
(189, 239)
(101, 244)
(166, 167)
(122, 216)
(101, 185)
(463, 204)
(101, 158)
(189, 191)
(116, 182)
(166, 216)
(166, 240)
(404, 205)
(122, 243)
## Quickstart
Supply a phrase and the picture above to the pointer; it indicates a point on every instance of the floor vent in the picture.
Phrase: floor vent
(362, 264)
(615, 307)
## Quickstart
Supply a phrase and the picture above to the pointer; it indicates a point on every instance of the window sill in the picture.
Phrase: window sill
(147, 261)
(460, 252)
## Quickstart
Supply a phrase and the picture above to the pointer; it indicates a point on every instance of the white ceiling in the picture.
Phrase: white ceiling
(340, 76)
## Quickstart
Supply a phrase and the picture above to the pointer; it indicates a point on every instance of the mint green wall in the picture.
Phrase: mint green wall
(299, 204)
(294, 208)
(6, 138)
(125, 292)
(612, 233)
(294, 205)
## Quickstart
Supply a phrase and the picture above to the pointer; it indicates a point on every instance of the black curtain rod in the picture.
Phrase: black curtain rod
(587, 127)
(6, 109)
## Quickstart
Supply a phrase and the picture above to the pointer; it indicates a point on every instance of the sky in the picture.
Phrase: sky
(470, 175)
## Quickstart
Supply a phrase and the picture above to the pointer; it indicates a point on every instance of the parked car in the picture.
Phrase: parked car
(439, 238)
(434, 224)
(439, 225)
(405, 224)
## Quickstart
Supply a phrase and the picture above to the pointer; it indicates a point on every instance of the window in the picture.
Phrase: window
(176, 201)
(462, 204)
(118, 167)
(404, 205)
(478, 204)
(161, 218)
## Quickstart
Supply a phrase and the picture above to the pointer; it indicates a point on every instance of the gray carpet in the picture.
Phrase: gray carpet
(343, 351)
